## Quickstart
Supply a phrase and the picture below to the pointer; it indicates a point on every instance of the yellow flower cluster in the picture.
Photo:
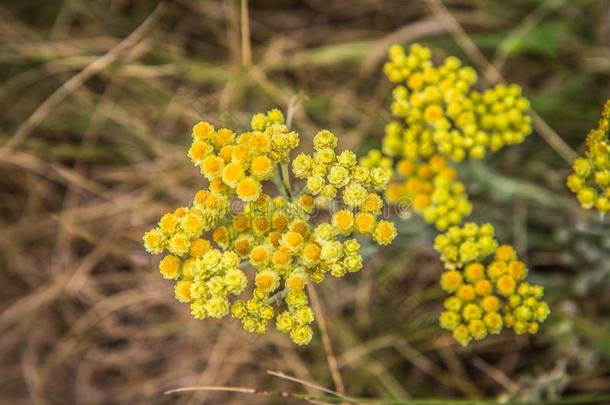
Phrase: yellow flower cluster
(440, 117)
(591, 178)
(241, 162)
(433, 190)
(178, 231)
(275, 237)
(444, 114)
(209, 247)
(487, 286)
(328, 173)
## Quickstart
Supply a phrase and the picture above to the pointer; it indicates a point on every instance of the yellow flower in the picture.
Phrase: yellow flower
(221, 236)
(226, 153)
(490, 303)
(343, 220)
(267, 280)
(243, 245)
(182, 289)
(384, 233)
(301, 335)
(433, 113)
(483, 288)
(451, 280)
(261, 167)
(462, 335)
(199, 151)
(261, 225)
(372, 203)
(311, 252)
(466, 293)
(296, 281)
(281, 257)
(170, 267)
(292, 240)
(223, 137)
(449, 320)
(324, 139)
(259, 255)
(232, 174)
(248, 189)
(505, 253)
(364, 222)
(506, 285)
(241, 222)
(299, 226)
(179, 244)
(154, 241)
(211, 166)
(192, 223)
(474, 272)
(202, 131)
(240, 153)
(517, 270)
(168, 223)
(260, 143)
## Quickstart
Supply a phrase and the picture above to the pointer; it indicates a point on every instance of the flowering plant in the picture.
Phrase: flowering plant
(439, 119)
(211, 248)
(591, 178)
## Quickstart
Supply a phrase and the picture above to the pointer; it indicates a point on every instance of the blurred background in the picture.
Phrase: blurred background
(97, 101)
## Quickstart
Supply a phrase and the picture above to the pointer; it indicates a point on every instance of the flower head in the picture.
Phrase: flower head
(590, 180)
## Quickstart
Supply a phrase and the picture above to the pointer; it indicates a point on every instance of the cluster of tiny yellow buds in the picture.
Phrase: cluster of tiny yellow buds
(462, 245)
(410, 142)
(591, 178)
(295, 321)
(327, 172)
(177, 231)
(274, 238)
(487, 286)
(239, 163)
(433, 190)
(443, 114)
(205, 279)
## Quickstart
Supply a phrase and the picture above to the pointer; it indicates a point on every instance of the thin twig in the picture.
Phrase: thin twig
(243, 390)
(496, 374)
(246, 52)
(328, 349)
(81, 77)
(212, 388)
(293, 105)
(492, 75)
(311, 385)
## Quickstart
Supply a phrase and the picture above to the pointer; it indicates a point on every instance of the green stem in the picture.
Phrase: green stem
(286, 180)
(275, 298)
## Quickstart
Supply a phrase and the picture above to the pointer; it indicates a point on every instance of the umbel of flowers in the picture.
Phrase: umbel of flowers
(487, 286)
(271, 247)
(439, 117)
(591, 178)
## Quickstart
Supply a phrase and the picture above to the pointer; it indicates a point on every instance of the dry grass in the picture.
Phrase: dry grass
(97, 99)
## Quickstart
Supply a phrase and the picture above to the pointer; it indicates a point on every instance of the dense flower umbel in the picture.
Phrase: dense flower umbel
(439, 117)
(438, 112)
(209, 247)
(487, 286)
(591, 178)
